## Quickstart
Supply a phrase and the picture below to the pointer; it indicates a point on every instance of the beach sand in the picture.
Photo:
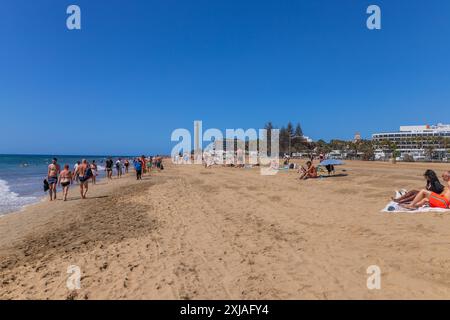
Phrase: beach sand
(226, 233)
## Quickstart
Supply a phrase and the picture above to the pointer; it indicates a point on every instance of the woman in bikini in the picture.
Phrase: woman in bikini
(65, 179)
(433, 185)
(434, 200)
(94, 171)
(309, 172)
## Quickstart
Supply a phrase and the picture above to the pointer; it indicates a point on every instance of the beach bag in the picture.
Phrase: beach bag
(46, 186)
(87, 175)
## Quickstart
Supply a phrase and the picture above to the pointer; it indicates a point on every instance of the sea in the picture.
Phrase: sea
(22, 177)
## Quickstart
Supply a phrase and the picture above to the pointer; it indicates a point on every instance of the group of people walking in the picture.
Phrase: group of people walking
(143, 165)
(82, 173)
(85, 172)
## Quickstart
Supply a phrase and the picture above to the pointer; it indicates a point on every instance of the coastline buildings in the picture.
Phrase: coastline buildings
(422, 142)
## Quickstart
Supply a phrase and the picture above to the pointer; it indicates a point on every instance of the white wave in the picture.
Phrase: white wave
(11, 201)
(100, 168)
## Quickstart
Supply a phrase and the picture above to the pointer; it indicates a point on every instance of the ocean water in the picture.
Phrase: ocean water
(22, 176)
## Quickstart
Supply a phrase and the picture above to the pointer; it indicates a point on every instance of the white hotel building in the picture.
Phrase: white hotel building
(416, 141)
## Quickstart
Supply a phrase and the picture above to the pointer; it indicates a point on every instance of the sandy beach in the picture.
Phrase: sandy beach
(226, 233)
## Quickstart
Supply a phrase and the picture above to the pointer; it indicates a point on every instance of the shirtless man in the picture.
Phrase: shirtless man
(119, 167)
(52, 178)
(109, 168)
(81, 171)
(433, 199)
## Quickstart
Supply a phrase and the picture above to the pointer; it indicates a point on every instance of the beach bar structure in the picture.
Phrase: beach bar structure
(421, 142)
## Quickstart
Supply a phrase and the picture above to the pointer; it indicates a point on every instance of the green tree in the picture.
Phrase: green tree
(298, 130)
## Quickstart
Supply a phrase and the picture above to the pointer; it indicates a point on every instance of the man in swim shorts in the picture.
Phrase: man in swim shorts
(119, 167)
(109, 168)
(82, 172)
(434, 200)
(52, 178)
(75, 170)
(138, 169)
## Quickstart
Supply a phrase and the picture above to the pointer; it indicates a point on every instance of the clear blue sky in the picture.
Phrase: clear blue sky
(139, 69)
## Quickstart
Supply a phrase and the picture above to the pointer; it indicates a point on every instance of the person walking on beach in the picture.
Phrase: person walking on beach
(159, 164)
(109, 168)
(154, 162)
(65, 179)
(85, 173)
(94, 172)
(143, 164)
(119, 168)
(138, 168)
(75, 167)
(52, 178)
(126, 164)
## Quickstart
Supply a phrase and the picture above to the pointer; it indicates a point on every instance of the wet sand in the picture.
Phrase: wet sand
(226, 233)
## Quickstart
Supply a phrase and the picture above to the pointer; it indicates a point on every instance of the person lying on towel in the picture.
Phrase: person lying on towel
(435, 200)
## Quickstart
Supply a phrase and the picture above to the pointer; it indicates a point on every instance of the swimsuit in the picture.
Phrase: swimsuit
(439, 201)
(65, 184)
(52, 180)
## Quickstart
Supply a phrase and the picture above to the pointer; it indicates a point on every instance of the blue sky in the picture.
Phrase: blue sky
(139, 69)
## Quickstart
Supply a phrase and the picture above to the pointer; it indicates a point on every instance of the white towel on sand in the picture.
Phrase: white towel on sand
(393, 207)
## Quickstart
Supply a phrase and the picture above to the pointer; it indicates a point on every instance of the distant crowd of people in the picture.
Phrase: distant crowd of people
(84, 172)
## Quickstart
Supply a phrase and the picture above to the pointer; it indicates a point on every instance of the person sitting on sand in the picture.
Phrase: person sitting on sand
(65, 179)
(309, 172)
(435, 200)
(433, 185)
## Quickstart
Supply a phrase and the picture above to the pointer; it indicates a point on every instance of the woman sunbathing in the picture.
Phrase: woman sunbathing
(433, 185)
(309, 172)
(435, 200)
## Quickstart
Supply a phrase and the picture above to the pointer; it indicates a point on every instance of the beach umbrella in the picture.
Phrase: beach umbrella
(331, 162)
